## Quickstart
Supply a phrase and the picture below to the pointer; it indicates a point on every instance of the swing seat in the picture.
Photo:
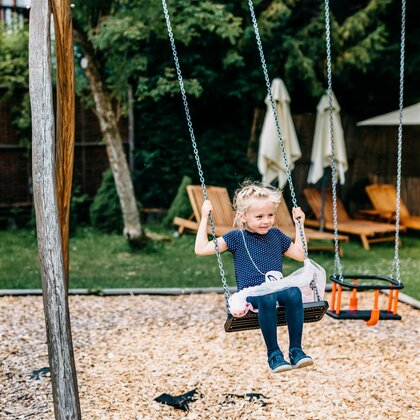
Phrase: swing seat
(364, 315)
(376, 283)
(313, 312)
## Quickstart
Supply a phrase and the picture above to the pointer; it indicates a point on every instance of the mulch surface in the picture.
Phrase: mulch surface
(130, 350)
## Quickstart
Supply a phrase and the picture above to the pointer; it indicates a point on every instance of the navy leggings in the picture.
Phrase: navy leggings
(291, 299)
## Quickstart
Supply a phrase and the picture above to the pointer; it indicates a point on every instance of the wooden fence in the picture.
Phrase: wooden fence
(371, 153)
(90, 159)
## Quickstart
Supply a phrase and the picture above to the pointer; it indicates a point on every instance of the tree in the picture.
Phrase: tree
(293, 37)
(128, 46)
(14, 78)
(223, 78)
(107, 117)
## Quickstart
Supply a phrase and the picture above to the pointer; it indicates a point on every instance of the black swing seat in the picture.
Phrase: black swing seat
(313, 312)
(365, 282)
(364, 315)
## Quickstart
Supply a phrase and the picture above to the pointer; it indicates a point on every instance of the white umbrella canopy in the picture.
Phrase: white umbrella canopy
(321, 147)
(271, 163)
(411, 116)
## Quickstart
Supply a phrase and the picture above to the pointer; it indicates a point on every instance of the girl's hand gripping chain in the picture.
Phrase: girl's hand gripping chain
(206, 208)
(298, 213)
(202, 245)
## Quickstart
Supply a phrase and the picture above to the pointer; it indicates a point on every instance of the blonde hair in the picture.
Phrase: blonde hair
(251, 191)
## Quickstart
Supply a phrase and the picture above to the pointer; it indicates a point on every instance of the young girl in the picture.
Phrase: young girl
(257, 248)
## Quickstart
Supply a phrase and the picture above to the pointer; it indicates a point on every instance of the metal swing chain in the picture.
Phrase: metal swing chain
(195, 148)
(338, 269)
(395, 269)
(276, 119)
(314, 288)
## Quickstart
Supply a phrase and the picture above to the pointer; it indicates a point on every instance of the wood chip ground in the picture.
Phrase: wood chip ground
(129, 350)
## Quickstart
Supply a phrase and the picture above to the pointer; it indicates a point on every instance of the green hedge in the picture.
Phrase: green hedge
(105, 211)
(181, 206)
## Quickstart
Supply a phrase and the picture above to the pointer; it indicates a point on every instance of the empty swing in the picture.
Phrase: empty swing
(355, 283)
(313, 311)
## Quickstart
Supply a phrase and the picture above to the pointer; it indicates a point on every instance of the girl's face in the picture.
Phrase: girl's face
(259, 216)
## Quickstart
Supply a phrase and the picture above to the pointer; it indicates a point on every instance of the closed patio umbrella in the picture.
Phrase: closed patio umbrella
(271, 164)
(321, 146)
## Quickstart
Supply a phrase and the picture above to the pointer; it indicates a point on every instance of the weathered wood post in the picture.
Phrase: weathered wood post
(60, 347)
(65, 121)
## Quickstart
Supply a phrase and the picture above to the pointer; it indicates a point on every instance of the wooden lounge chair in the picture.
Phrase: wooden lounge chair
(283, 220)
(383, 198)
(368, 231)
(224, 215)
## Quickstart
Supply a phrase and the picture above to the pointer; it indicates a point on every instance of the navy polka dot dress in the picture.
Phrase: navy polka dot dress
(266, 251)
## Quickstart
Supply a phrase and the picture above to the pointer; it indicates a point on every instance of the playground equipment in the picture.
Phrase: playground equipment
(52, 185)
(313, 311)
(373, 282)
(52, 177)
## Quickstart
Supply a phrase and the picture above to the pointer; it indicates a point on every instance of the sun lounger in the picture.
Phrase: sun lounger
(384, 198)
(223, 215)
(368, 231)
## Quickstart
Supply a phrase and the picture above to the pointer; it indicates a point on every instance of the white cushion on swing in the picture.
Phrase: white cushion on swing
(274, 282)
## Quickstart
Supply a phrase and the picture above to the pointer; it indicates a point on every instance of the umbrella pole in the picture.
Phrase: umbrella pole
(323, 188)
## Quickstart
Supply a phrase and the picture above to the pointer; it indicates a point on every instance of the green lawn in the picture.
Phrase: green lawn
(104, 261)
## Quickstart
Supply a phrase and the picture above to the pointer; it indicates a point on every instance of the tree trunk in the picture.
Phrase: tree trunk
(118, 161)
(65, 119)
(131, 134)
(60, 347)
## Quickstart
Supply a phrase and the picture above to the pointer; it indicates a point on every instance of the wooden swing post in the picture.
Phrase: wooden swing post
(48, 218)
(65, 119)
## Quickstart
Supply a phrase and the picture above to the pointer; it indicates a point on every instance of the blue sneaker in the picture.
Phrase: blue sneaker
(277, 363)
(299, 359)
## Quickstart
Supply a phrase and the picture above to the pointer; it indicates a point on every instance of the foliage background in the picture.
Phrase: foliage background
(223, 78)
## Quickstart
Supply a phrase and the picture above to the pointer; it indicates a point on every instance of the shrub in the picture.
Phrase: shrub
(180, 205)
(105, 211)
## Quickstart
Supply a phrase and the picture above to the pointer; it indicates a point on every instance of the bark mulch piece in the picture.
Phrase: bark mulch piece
(178, 401)
(131, 349)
